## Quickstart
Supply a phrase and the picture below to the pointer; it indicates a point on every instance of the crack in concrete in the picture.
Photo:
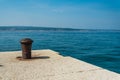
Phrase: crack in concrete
(76, 72)
(1, 65)
(90, 70)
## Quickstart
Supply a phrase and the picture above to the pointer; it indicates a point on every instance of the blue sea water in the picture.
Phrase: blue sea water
(101, 48)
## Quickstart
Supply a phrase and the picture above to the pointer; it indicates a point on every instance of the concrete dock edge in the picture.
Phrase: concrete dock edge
(49, 65)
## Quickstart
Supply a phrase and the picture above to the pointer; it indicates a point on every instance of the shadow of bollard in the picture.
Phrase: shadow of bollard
(33, 58)
(41, 57)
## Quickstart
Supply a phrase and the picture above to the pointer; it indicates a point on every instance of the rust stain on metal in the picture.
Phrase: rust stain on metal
(26, 45)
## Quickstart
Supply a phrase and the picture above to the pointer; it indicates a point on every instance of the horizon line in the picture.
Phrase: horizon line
(55, 27)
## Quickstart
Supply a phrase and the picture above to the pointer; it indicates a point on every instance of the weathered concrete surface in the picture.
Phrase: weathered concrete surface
(49, 65)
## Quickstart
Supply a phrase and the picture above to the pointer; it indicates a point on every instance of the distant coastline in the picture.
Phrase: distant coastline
(34, 28)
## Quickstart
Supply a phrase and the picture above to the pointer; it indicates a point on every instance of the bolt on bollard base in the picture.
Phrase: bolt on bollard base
(26, 45)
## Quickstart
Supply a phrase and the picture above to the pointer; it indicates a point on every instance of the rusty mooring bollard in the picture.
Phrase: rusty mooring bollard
(26, 45)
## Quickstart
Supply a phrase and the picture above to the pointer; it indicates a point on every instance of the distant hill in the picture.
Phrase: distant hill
(33, 28)
(22, 28)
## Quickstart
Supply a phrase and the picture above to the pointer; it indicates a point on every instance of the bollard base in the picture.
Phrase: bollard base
(22, 59)
(26, 55)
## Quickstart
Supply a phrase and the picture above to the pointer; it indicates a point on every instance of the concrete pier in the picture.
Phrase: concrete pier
(49, 65)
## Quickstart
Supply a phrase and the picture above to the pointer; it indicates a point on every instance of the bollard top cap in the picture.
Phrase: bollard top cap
(26, 41)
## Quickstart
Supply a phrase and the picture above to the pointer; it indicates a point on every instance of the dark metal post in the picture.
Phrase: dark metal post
(26, 45)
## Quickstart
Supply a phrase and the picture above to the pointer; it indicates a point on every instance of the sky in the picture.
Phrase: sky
(82, 14)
